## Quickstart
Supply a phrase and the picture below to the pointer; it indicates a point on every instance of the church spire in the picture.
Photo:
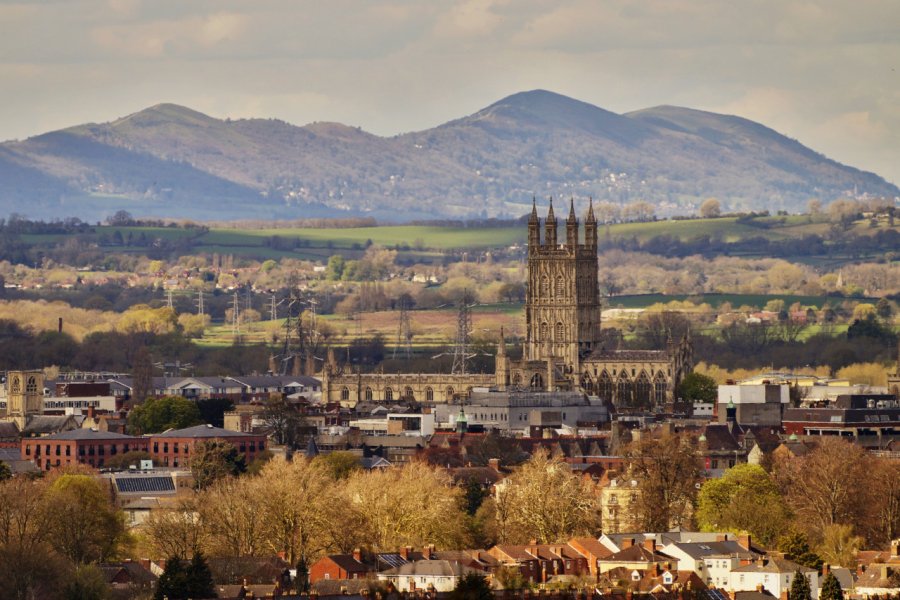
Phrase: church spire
(550, 227)
(590, 215)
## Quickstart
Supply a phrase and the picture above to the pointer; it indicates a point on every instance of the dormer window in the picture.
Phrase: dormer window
(635, 576)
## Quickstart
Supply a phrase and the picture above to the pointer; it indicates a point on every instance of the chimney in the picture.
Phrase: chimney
(759, 588)
(357, 555)
(650, 544)
(784, 594)
(494, 463)
(427, 551)
(825, 570)
(404, 552)
(744, 540)
(627, 542)
(722, 537)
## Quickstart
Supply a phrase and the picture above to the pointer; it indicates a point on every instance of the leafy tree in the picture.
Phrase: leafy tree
(831, 588)
(212, 410)
(338, 465)
(87, 583)
(335, 269)
(800, 588)
(85, 526)
(697, 387)
(5, 471)
(840, 546)
(745, 498)
(159, 414)
(301, 582)
(711, 208)
(657, 328)
(212, 460)
(884, 309)
(472, 586)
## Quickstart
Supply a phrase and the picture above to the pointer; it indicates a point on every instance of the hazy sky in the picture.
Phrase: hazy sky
(825, 73)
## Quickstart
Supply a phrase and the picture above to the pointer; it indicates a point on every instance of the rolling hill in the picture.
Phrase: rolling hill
(172, 161)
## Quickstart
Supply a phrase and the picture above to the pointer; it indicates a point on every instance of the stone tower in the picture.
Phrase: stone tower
(562, 306)
(24, 395)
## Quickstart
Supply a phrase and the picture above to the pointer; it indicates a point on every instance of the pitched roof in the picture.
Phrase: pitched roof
(142, 484)
(432, 568)
(590, 546)
(705, 549)
(636, 553)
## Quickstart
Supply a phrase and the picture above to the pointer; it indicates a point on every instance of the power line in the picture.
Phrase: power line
(404, 331)
(463, 330)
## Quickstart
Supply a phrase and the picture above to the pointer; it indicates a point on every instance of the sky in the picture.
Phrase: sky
(826, 73)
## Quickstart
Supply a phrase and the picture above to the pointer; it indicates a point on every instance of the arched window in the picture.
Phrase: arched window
(345, 394)
(545, 286)
(605, 386)
(368, 393)
(659, 389)
(560, 287)
(450, 394)
(623, 390)
(31, 386)
(537, 381)
(560, 332)
(517, 379)
(642, 390)
(388, 394)
(429, 395)
(408, 393)
(545, 332)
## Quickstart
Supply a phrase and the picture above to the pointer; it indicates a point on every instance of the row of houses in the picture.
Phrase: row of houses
(648, 563)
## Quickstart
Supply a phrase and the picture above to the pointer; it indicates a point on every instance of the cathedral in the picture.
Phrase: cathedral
(562, 347)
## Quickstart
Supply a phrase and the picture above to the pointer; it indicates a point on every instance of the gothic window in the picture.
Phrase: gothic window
(560, 287)
(624, 390)
(449, 394)
(429, 395)
(560, 332)
(408, 393)
(345, 394)
(659, 389)
(605, 387)
(388, 394)
(587, 384)
(643, 390)
(537, 381)
(16, 386)
(545, 332)
(517, 379)
(368, 394)
(31, 386)
(545, 287)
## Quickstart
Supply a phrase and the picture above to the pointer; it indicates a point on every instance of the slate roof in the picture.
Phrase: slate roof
(91, 435)
(200, 431)
(348, 563)
(637, 553)
(706, 549)
(431, 568)
(46, 424)
(773, 565)
(137, 573)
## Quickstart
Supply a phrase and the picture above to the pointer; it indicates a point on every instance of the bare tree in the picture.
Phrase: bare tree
(544, 500)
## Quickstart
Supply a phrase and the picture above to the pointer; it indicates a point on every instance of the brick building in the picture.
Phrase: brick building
(174, 448)
(79, 446)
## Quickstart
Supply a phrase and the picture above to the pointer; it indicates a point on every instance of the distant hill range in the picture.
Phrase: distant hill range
(172, 161)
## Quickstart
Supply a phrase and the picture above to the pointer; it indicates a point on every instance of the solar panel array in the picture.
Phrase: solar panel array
(131, 485)
(714, 594)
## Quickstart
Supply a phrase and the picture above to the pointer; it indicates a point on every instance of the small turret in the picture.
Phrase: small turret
(590, 228)
(572, 226)
(534, 227)
(550, 227)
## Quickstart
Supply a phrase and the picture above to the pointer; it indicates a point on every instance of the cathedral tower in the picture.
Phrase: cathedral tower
(24, 395)
(562, 309)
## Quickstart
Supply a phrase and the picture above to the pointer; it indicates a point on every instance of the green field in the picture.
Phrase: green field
(716, 300)
(428, 242)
